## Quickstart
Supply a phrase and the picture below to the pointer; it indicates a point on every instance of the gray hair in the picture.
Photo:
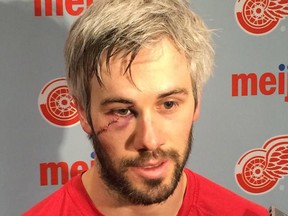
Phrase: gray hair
(114, 26)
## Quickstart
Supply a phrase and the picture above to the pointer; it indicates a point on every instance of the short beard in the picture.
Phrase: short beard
(113, 174)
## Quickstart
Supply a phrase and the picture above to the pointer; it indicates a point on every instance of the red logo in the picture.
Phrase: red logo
(259, 170)
(268, 83)
(53, 173)
(259, 17)
(60, 7)
(56, 105)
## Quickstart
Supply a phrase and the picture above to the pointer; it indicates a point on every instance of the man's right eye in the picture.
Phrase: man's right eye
(122, 112)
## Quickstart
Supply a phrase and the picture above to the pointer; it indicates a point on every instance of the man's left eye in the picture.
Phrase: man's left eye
(169, 104)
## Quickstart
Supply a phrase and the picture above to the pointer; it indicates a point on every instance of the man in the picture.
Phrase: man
(136, 69)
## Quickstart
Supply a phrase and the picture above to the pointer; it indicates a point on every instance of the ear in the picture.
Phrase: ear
(197, 109)
(83, 117)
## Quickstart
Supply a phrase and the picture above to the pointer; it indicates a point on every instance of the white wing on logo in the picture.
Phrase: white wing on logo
(277, 9)
(277, 161)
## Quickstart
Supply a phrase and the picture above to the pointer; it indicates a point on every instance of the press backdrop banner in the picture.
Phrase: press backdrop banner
(240, 140)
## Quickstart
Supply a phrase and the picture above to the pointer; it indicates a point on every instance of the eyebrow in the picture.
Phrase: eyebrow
(173, 92)
(129, 101)
(116, 100)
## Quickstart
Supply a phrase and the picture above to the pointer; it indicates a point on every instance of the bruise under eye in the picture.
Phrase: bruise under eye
(105, 128)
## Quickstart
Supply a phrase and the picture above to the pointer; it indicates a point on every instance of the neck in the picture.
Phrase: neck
(108, 202)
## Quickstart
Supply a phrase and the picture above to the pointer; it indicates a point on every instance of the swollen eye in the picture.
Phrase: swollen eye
(122, 112)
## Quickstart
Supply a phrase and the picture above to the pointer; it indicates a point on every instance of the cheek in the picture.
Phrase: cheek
(182, 122)
(178, 131)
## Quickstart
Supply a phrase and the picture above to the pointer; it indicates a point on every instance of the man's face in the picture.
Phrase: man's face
(141, 128)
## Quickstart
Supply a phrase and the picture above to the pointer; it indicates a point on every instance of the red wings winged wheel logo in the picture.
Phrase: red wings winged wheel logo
(259, 17)
(56, 105)
(259, 170)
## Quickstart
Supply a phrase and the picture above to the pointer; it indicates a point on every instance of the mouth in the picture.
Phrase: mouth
(152, 169)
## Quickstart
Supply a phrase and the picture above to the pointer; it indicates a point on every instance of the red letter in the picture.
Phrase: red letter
(244, 84)
(37, 7)
(48, 7)
(78, 167)
(265, 80)
(54, 172)
(281, 83)
(77, 10)
(89, 2)
(286, 98)
(59, 7)
(92, 163)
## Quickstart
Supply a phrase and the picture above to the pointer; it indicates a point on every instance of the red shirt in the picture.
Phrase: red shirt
(202, 198)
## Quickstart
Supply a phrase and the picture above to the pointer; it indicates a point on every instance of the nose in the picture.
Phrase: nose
(148, 134)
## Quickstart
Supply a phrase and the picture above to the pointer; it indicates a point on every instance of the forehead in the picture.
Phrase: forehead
(156, 67)
(159, 53)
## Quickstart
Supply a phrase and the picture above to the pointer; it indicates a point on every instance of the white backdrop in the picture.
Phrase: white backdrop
(242, 128)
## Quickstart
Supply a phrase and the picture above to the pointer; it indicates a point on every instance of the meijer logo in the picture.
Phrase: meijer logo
(56, 173)
(259, 170)
(56, 105)
(268, 83)
(258, 17)
(72, 7)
